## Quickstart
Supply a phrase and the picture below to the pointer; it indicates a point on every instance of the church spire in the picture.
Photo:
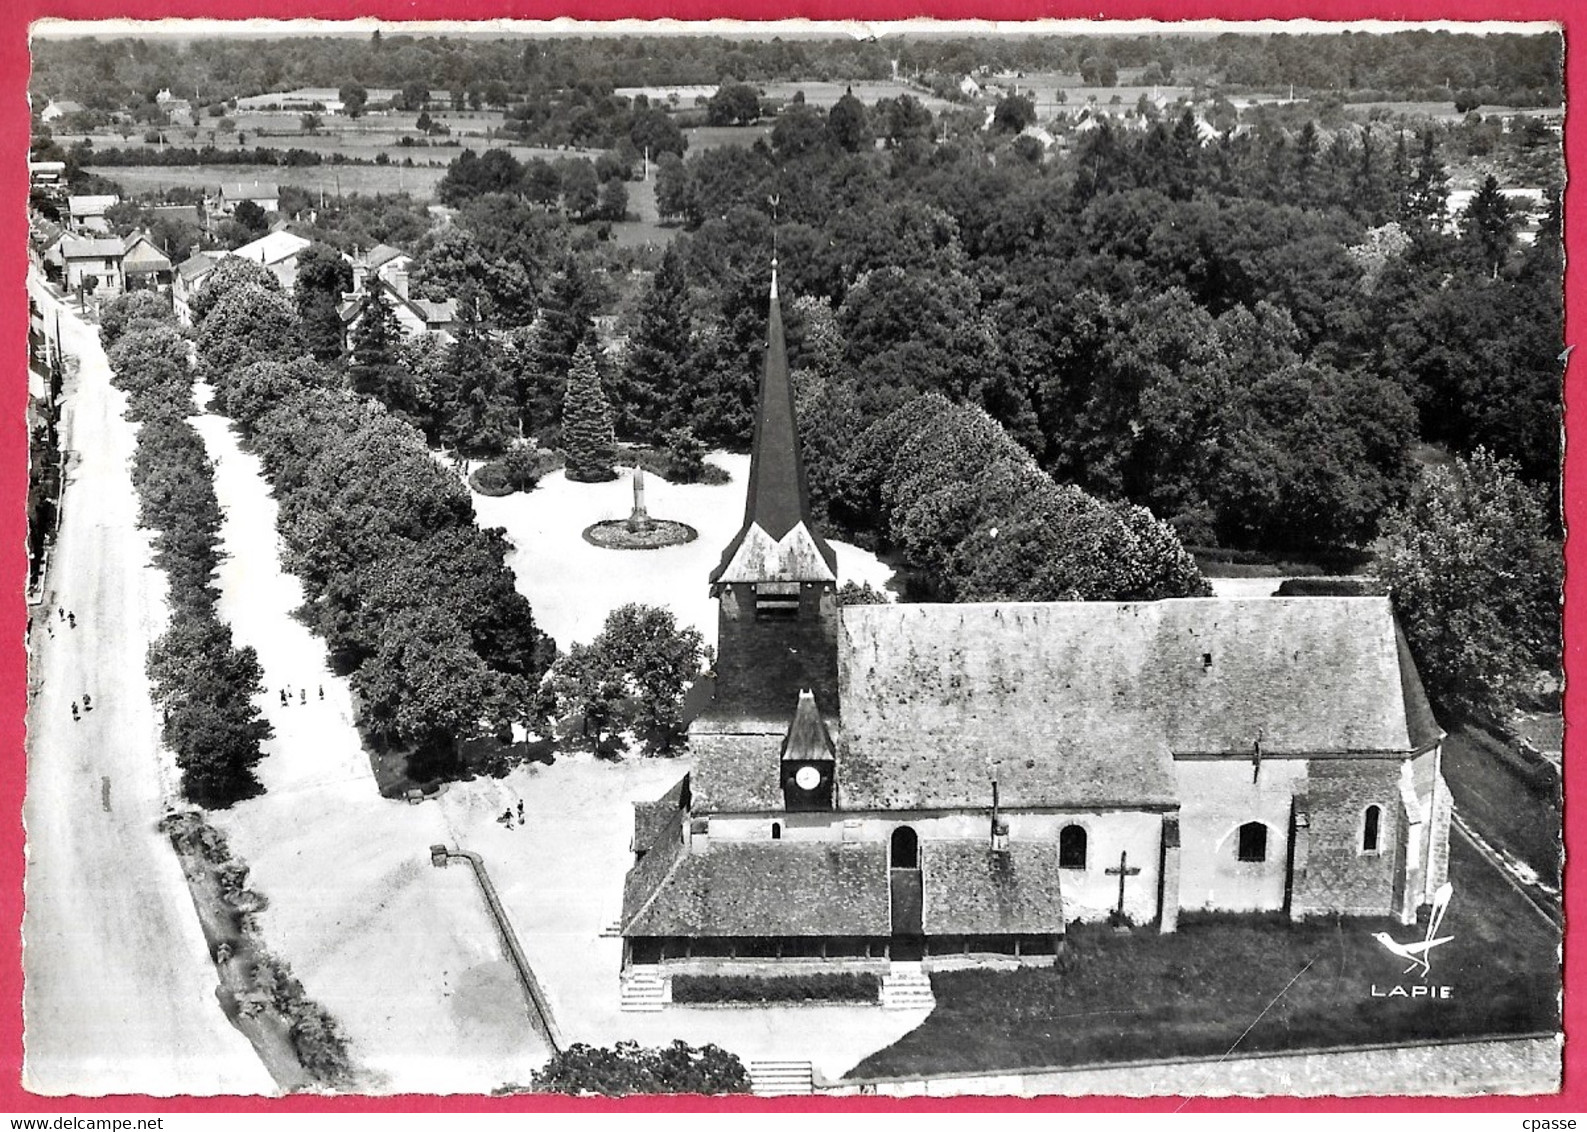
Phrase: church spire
(778, 500)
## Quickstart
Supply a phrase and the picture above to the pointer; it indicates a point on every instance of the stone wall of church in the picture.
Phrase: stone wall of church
(1341, 875)
(1217, 797)
(1089, 892)
(762, 664)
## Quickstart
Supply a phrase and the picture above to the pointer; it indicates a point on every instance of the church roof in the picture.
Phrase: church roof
(763, 888)
(651, 819)
(1086, 703)
(736, 766)
(808, 738)
(969, 890)
(778, 499)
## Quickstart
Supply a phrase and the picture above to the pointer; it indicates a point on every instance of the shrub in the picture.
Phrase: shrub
(835, 986)
(134, 310)
(630, 1068)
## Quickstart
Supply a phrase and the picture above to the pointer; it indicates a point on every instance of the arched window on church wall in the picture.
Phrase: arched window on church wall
(905, 849)
(1253, 841)
(1372, 830)
(1072, 847)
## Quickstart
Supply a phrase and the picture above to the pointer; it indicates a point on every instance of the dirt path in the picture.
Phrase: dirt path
(403, 955)
(120, 991)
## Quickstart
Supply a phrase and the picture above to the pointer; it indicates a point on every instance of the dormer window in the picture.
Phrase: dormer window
(776, 601)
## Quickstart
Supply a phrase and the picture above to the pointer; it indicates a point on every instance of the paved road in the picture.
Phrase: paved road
(120, 993)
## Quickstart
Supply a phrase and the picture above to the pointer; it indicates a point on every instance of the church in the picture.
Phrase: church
(954, 784)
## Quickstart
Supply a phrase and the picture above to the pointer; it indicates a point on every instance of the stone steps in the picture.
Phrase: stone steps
(781, 1078)
(906, 986)
(642, 991)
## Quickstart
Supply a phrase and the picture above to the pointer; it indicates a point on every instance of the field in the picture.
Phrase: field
(1224, 982)
(332, 179)
(709, 137)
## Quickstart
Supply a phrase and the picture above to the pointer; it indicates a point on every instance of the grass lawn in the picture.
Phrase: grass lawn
(1499, 804)
(1195, 993)
(368, 180)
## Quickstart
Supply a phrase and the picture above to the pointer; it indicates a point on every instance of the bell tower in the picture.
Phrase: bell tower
(776, 585)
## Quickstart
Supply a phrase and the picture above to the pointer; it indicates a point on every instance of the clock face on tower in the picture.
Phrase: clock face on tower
(807, 778)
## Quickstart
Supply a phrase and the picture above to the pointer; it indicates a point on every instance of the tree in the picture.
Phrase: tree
(414, 95)
(652, 391)
(323, 277)
(373, 344)
(685, 456)
(631, 677)
(311, 123)
(478, 408)
(226, 276)
(614, 201)
(249, 324)
(1013, 114)
(580, 187)
(135, 310)
(847, 123)
(1475, 577)
(1488, 227)
(587, 435)
(251, 217)
(672, 187)
(353, 97)
(1099, 70)
(733, 104)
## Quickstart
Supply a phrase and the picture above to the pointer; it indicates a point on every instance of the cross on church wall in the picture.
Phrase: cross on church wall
(1124, 870)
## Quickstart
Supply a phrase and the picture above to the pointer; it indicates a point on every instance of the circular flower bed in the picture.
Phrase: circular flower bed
(616, 534)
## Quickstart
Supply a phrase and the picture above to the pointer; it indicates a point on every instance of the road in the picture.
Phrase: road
(119, 990)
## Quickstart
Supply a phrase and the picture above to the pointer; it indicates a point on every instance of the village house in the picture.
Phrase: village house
(87, 213)
(187, 280)
(145, 266)
(379, 262)
(265, 194)
(92, 264)
(880, 786)
(414, 315)
(278, 253)
(55, 111)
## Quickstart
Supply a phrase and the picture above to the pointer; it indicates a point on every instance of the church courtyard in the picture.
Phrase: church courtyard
(1244, 984)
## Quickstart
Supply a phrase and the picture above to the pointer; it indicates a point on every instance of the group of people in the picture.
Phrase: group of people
(303, 695)
(506, 818)
(65, 615)
(88, 705)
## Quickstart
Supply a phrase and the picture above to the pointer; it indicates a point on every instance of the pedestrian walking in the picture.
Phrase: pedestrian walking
(303, 695)
(74, 709)
(520, 809)
(283, 697)
(71, 619)
(62, 611)
(88, 702)
(322, 691)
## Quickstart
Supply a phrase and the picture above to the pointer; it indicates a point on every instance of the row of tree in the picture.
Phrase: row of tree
(408, 592)
(203, 684)
(978, 520)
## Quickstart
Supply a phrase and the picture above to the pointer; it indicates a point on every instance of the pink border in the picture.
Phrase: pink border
(13, 488)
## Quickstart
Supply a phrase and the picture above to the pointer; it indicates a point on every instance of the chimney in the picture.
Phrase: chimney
(399, 283)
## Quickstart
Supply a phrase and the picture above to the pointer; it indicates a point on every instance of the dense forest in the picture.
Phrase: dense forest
(116, 74)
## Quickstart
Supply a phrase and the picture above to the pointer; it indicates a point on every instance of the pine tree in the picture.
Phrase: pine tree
(375, 341)
(1430, 187)
(1488, 227)
(479, 414)
(571, 301)
(587, 437)
(652, 391)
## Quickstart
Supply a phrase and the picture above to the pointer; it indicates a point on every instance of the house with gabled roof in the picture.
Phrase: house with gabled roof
(265, 194)
(188, 278)
(277, 252)
(146, 267)
(92, 263)
(415, 316)
(87, 213)
(955, 784)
